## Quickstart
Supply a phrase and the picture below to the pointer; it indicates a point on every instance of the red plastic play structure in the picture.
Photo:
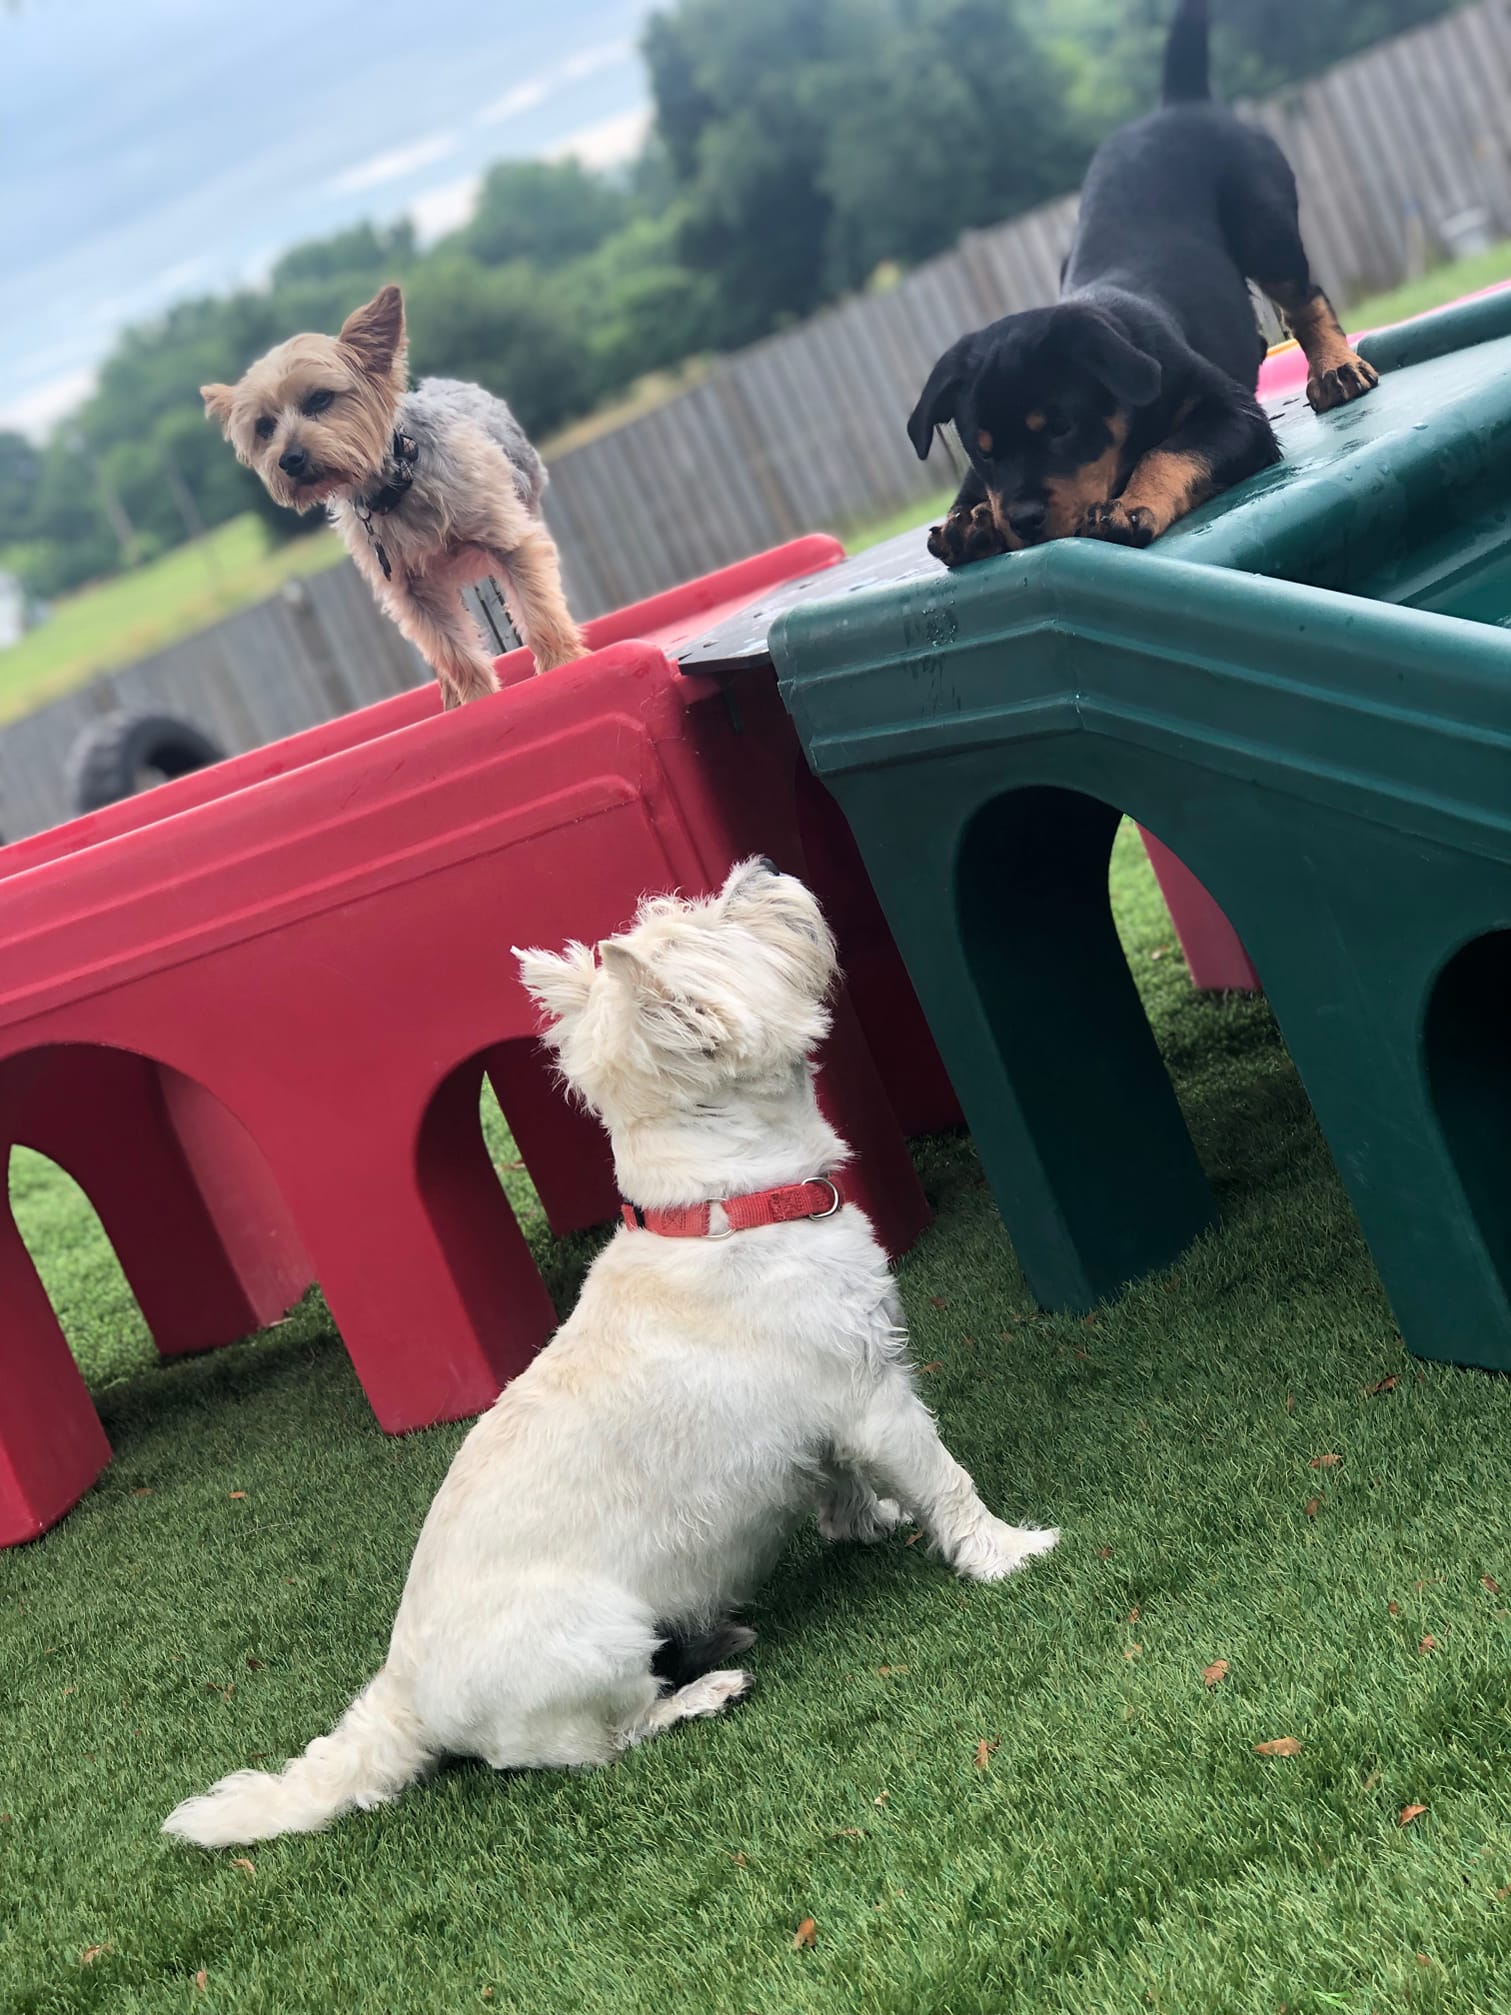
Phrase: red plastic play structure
(251, 1011)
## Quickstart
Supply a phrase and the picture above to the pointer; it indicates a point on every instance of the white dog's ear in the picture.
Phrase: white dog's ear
(747, 879)
(671, 1020)
(558, 983)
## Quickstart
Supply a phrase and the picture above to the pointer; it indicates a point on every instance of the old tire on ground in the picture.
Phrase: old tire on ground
(122, 754)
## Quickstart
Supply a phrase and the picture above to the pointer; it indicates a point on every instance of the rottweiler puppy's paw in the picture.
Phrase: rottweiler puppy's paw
(966, 536)
(1117, 524)
(1351, 380)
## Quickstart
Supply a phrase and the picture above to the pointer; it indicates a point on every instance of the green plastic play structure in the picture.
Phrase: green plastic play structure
(1304, 691)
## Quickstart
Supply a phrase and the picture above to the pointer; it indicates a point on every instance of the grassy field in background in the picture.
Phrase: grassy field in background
(125, 619)
(1036, 1799)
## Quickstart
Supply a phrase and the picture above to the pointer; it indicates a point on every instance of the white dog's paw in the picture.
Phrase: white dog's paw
(994, 1549)
(713, 1692)
(862, 1517)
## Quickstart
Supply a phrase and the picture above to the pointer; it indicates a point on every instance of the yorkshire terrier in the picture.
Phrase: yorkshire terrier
(431, 489)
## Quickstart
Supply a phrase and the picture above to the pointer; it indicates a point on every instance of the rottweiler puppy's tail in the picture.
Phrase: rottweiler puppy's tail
(1187, 70)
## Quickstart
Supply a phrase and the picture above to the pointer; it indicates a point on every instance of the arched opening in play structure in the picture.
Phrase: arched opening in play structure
(1467, 1042)
(82, 1278)
(143, 1207)
(551, 1159)
(1140, 1122)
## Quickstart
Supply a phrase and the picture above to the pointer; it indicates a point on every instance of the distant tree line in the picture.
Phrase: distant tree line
(801, 149)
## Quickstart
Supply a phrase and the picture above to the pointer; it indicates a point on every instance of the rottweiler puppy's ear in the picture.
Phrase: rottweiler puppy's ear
(1131, 375)
(936, 402)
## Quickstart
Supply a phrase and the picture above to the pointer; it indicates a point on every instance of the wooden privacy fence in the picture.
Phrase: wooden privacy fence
(1402, 154)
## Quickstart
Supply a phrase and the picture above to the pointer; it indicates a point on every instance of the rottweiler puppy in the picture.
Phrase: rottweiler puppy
(1130, 402)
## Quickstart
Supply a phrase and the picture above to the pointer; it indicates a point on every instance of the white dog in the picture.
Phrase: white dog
(730, 1366)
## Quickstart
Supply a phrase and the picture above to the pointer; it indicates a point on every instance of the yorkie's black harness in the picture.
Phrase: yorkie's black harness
(399, 475)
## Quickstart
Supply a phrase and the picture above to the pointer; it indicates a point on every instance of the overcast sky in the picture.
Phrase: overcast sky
(154, 149)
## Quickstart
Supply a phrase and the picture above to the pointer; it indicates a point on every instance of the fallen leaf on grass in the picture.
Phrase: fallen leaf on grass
(254, 1664)
(881, 1798)
(1502, 1894)
(1382, 1385)
(1134, 1651)
(738, 1860)
(1290, 1402)
(1281, 1745)
(1312, 1506)
(1410, 1812)
(247, 1868)
(934, 1364)
(805, 1936)
(237, 1495)
(1104, 1553)
(1326, 1461)
(144, 1490)
(849, 1833)
(914, 1537)
(1428, 1643)
(892, 1671)
(1215, 1673)
(92, 1952)
(939, 1301)
(1489, 1581)
(201, 1981)
(984, 1752)
(1394, 1608)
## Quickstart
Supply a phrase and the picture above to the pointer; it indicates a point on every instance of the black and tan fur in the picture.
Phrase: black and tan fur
(1131, 401)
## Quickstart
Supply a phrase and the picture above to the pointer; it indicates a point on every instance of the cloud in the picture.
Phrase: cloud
(537, 91)
(392, 166)
(445, 209)
(35, 411)
(607, 143)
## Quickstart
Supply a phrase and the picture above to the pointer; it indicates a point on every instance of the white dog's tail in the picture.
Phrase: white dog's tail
(375, 1750)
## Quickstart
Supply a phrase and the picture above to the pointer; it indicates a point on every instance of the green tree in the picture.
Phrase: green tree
(944, 115)
(546, 212)
(639, 308)
(814, 139)
(366, 253)
(20, 470)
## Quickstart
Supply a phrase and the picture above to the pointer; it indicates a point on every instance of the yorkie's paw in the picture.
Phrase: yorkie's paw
(1350, 381)
(1117, 524)
(966, 536)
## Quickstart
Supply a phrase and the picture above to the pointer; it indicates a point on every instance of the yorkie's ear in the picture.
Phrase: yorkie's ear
(217, 400)
(374, 333)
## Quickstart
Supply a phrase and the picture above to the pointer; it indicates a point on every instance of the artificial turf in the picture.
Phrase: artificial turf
(1021, 1798)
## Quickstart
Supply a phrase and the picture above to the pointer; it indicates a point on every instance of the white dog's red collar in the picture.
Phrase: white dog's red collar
(788, 1205)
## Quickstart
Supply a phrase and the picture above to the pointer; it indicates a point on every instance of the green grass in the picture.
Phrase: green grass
(1123, 1850)
(129, 617)
(1434, 290)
